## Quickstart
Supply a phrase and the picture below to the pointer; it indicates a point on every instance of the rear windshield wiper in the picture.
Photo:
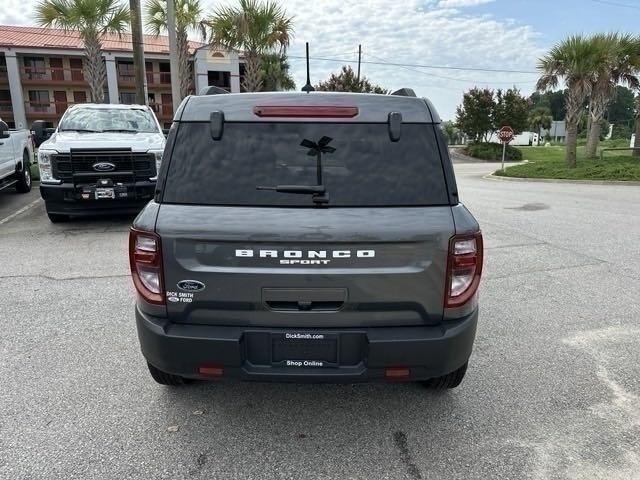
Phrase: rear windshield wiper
(302, 189)
(318, 191)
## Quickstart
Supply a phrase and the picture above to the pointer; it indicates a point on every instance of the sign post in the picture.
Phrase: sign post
(505, 135)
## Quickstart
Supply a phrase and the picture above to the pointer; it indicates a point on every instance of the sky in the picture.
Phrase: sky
(476, 34)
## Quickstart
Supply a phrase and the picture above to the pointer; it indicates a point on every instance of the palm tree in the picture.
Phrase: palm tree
(254, 27)
(93, 19)
(275, 73)
(618, 62)
(540, 118)
(574, 61)
(188, 18)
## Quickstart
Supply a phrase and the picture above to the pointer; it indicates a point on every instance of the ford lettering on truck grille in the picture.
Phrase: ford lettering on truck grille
(308, 257)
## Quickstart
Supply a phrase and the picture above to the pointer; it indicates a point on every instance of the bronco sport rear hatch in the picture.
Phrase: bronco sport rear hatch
(372, 252)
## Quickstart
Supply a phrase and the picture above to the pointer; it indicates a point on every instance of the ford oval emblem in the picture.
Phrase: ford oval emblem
(191, 285)
(104, 167)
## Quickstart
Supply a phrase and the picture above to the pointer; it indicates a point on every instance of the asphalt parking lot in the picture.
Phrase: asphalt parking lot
(552, 391)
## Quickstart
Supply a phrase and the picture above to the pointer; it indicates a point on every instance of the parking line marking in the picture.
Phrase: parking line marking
(22, 210)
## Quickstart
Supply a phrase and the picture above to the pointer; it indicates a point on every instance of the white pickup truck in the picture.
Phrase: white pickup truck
(16, 152)
(102, 159)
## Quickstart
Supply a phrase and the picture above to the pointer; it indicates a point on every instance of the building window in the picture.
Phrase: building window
(3, 67)
(127, 98)
(39, 100)
(219, 79)
(5, 101)
(126, 72)
(34, 68)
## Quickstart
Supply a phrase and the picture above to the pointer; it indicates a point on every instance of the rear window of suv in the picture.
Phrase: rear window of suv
(365, 169)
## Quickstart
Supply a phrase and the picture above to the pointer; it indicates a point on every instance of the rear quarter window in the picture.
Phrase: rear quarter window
(365, 169)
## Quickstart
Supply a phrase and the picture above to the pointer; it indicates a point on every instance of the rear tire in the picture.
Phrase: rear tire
(24, 175)
(57, 218)
(451, 380)
(164, 378)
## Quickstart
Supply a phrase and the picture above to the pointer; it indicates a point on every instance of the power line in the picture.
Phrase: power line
(616, 4)
(465, 80)
(435, 67)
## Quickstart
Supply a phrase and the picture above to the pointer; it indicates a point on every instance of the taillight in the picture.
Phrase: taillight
(464, 268)
(145, 256)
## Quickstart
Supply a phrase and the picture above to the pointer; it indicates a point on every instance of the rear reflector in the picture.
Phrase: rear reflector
(306, 112)
(397, 372)
(211, 371)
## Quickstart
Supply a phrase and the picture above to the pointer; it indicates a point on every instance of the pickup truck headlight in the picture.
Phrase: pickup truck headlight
(158, 155)
(44, 165)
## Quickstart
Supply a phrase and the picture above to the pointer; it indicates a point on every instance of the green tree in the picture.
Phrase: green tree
(617, 61)
(475, 117)
(621, 108)
(554, 101)
(188, 14)
(512, 109)
(255, 27)
(540, 118)
(451, 132)
(275, 73)
(347, 81)
(92, 19)
(574, 61)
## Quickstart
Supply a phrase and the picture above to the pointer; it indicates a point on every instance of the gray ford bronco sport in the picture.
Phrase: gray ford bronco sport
(306, 237)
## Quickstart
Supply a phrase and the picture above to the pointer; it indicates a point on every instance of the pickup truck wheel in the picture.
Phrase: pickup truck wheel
(164, 378)
(451, 380)
(24, 175)
(57, 218)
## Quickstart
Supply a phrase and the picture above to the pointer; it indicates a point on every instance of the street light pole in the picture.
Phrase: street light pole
(173, 55)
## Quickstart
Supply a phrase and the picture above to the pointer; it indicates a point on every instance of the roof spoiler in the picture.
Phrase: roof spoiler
(405, 92)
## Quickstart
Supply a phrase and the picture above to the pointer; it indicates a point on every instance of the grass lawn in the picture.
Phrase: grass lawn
(548, 162)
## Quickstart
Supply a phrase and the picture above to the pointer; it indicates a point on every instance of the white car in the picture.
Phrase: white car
(102, 159)
(16, 152)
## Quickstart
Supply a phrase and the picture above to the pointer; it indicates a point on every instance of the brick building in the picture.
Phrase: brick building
(41, 73)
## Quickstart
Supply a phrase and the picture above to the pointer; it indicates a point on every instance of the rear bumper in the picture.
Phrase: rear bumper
(363, 354)
(66, 199)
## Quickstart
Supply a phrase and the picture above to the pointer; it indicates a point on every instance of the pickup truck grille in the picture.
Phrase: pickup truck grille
(77, 166)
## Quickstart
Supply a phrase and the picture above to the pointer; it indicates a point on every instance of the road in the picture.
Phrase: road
(552, 391)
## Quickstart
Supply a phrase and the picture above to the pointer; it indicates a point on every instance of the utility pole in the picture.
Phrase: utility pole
(173, 55)
(359, 60)
(138, 52)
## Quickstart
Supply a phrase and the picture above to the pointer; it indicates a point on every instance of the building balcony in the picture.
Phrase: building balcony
(45, 109)
(52, 76)
(164, 111)
(160, 79)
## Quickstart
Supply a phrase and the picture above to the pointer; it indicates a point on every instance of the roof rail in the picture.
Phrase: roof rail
(405, 92)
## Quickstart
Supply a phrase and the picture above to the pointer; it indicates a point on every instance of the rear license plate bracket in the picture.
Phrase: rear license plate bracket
(304, 350)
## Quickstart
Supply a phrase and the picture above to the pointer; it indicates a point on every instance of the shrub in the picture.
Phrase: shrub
(493, 151)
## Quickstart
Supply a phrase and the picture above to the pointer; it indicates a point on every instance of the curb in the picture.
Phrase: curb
(631, 183)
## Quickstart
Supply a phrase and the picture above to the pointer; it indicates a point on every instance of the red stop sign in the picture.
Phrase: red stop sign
(506, 134)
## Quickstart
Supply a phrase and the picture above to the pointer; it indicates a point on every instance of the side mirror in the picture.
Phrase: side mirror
(165, 131)
(4, 130)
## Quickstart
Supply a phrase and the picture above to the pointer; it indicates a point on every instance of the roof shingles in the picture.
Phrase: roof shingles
(38, 37)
